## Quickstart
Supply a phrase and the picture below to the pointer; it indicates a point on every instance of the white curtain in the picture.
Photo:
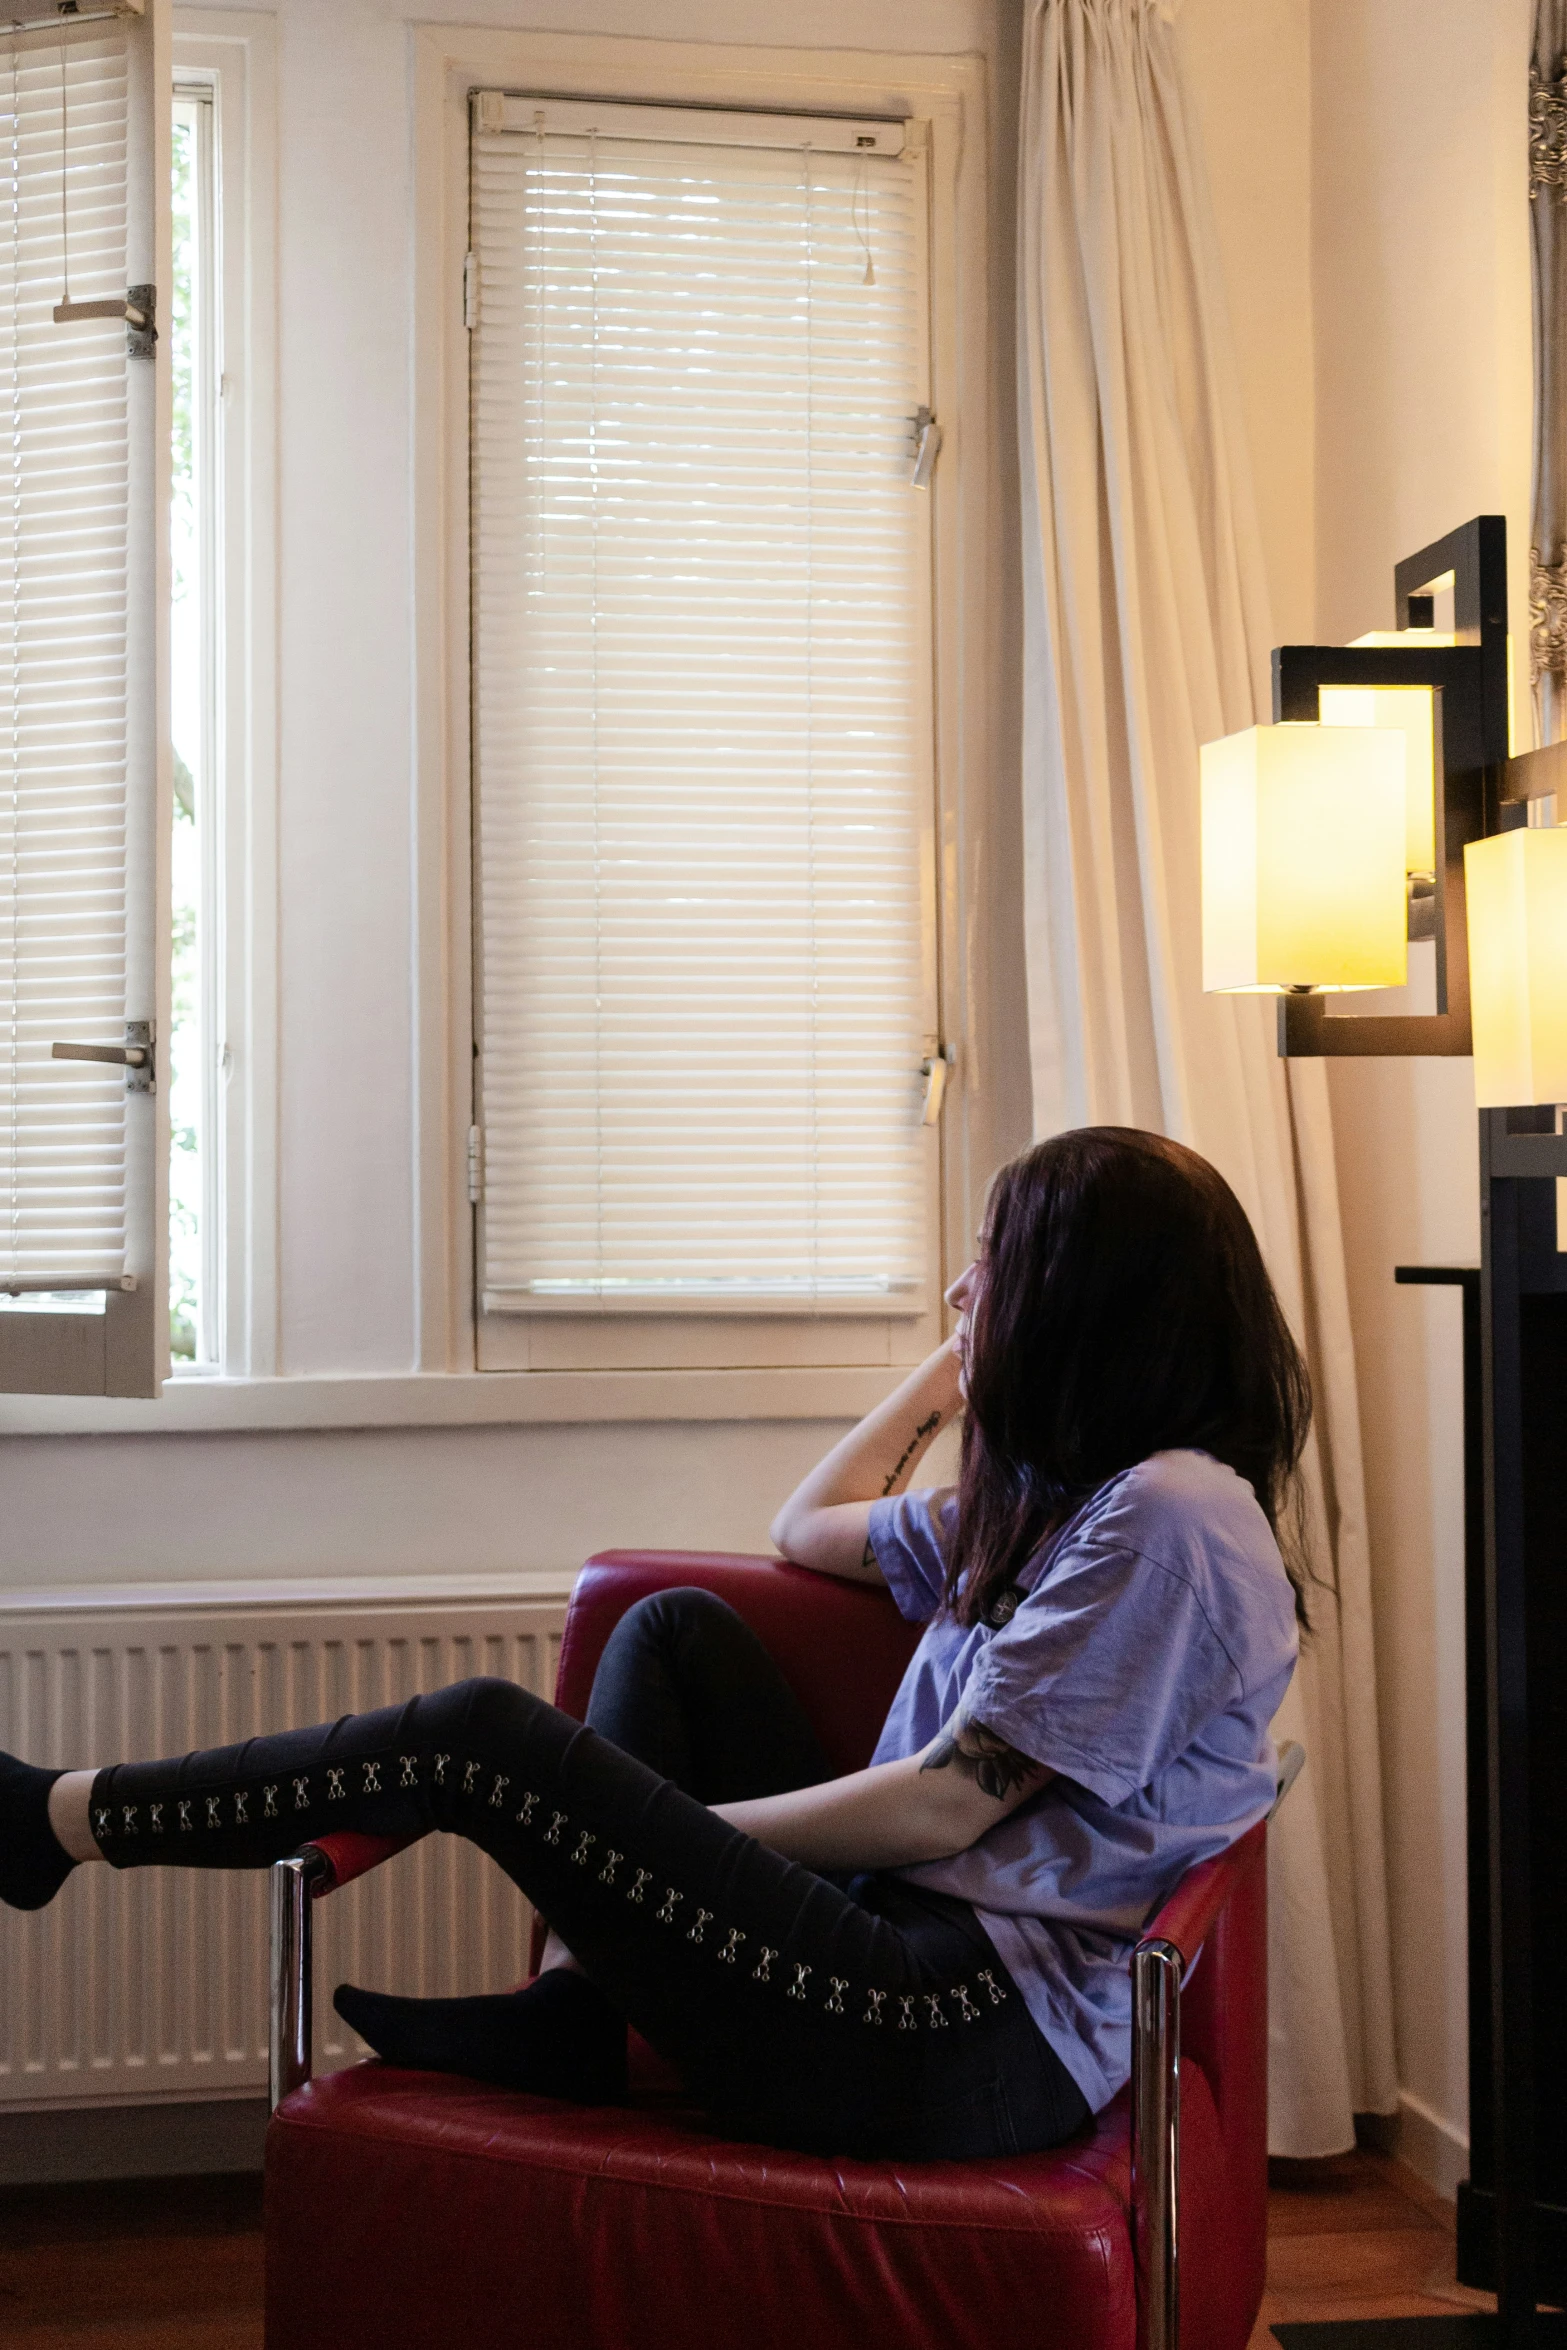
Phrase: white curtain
(1146, 634)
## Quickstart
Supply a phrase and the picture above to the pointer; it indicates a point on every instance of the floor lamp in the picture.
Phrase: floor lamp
(1382, 806)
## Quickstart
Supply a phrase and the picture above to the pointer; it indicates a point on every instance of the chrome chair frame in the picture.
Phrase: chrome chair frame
(1157, 1970)
(292, 1885)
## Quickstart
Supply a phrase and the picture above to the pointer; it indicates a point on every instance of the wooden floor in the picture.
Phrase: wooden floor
(1359, 2236)
(149, 2264)
(175, 2264)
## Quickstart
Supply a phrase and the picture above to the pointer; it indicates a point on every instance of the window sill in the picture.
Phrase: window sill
(193, 1405)
(226, 1596)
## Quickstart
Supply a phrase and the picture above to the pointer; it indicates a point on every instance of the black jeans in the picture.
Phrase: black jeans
(862, 2017)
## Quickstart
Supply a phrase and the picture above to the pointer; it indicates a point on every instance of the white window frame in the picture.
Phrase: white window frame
(231, 55)
(942, 101)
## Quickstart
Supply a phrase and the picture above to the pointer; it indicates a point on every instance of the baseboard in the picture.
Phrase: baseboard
(1434, 2148)
(132, 2141)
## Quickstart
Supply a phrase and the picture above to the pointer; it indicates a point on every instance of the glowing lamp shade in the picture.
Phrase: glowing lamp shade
(1411, 709)
(1303, 859)
(1516, 884)
(1409, 640)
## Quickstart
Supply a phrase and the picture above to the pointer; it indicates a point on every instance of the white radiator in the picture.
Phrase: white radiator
(151, 1984)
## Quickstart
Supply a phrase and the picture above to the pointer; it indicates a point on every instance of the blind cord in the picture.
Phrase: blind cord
(14, 450)
(810, 728)
(593, 657)
(65, 165)
(859, 192)
(540, 307)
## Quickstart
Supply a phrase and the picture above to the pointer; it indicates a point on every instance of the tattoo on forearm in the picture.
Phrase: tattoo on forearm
(925, 1428)
(870, 1559)
(994, 1766)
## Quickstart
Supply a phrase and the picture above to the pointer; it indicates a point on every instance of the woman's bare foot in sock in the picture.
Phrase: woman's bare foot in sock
(557, 2037)
(34, 1863)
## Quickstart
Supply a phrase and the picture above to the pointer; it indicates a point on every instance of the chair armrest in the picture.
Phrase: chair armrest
(323, 1866)
(1187, 1917)
(349, 1855)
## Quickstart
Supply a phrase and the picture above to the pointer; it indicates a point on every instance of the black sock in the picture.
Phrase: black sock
(34, 1864)
(558, 2037)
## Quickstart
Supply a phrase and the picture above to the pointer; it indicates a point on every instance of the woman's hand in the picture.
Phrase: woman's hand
(927, 1807)
(825, 1523)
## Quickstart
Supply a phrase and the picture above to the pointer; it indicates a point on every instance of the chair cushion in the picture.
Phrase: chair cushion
(423, 2210)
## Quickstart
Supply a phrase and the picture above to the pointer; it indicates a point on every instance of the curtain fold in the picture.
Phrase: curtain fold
(1146, 633)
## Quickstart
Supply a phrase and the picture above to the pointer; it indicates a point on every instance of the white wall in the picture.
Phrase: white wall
(1422, 309)
(109, 1507)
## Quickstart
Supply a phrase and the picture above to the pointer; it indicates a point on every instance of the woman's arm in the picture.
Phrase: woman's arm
(926, 1807)
(825, 1523)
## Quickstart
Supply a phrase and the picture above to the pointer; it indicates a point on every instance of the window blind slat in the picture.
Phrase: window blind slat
(701, 722)
(64, 469)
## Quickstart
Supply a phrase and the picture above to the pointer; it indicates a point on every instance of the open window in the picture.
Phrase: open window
(709, 1057)
(84, 774)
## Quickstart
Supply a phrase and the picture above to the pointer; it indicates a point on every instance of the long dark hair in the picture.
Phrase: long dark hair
(1123, 1309)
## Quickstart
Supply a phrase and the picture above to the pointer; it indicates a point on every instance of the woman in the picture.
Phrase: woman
(928, 1957)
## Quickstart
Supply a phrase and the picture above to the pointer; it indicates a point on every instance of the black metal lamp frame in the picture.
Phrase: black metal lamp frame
(1512, 2237)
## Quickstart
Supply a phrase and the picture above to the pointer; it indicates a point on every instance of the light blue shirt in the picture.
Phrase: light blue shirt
(1150, 1651)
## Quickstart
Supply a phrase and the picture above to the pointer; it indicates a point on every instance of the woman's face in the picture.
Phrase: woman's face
(963, 1296)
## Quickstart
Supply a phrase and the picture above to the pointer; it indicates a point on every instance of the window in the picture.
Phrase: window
(81, 1252)
(193, 1177)
(705, 971)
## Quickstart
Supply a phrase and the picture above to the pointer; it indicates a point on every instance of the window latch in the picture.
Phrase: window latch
(935, 1072)
(927, 444)
(135, 1056)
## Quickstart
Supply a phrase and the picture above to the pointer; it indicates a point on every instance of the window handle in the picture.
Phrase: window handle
(139, 311)
(935, 1072)
(927, 447)
(134, 1056)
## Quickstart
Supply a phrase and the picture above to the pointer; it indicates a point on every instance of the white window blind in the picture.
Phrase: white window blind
(702, 726)
(63, 519)
(84, 474)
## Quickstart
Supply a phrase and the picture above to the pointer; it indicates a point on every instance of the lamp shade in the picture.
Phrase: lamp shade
(1412, 710)
(1408, 640)
(1303, 859)
(1516, 885)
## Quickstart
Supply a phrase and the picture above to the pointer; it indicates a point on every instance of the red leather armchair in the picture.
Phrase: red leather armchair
(416, 2210)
